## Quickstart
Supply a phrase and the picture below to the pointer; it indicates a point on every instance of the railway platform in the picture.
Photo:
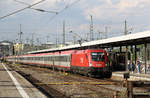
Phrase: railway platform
(132, 76)
(12, 85)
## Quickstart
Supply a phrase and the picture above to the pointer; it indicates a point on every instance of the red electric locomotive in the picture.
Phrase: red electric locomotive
(91, 62)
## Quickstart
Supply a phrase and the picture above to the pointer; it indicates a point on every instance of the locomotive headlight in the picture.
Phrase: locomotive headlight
(107, 64)
(90, 64)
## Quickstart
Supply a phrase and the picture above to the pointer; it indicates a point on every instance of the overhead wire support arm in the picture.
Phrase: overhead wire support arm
(37, 9)
(82, 39)
(21, 10)
(66, 7)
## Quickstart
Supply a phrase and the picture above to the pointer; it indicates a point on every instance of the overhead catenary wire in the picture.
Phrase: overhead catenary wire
(37, 9)
(66, 7)
(62, 10)
(21, 9)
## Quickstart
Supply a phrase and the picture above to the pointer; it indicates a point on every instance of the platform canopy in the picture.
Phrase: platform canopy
(124, 40)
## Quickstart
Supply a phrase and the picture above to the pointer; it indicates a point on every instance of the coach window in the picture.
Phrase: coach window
(65, 58)
(40, 58)
(49, 58)
(57, 58)
(34, 58)
(68, 58)
(52, 58)
(44, 58)
(62, 58)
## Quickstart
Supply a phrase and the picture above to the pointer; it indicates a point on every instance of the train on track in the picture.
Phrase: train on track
(90, 62)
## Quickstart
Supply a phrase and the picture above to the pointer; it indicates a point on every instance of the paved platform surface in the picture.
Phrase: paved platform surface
(133, 76)
(12, 85)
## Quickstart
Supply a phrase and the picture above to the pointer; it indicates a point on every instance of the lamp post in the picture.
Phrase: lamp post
(81, 39)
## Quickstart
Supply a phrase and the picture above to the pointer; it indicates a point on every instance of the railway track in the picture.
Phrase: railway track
(54, 83)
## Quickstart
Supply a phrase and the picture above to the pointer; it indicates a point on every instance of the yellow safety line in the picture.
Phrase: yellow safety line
(71, 83)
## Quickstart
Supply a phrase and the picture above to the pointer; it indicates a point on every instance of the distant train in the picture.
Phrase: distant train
(90, 62)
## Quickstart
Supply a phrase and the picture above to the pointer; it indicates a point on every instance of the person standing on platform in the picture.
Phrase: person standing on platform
(129, 65)
(132, 66)
(138, 66)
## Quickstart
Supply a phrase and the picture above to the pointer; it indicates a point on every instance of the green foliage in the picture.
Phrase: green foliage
(16, 64)
(122, 94)
(5, 61)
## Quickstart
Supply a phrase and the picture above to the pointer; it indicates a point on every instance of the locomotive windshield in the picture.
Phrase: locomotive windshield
(97, 56)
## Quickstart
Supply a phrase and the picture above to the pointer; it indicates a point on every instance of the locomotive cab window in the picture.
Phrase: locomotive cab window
(97, 56)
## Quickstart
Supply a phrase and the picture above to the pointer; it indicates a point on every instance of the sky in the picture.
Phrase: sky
(45, 26)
